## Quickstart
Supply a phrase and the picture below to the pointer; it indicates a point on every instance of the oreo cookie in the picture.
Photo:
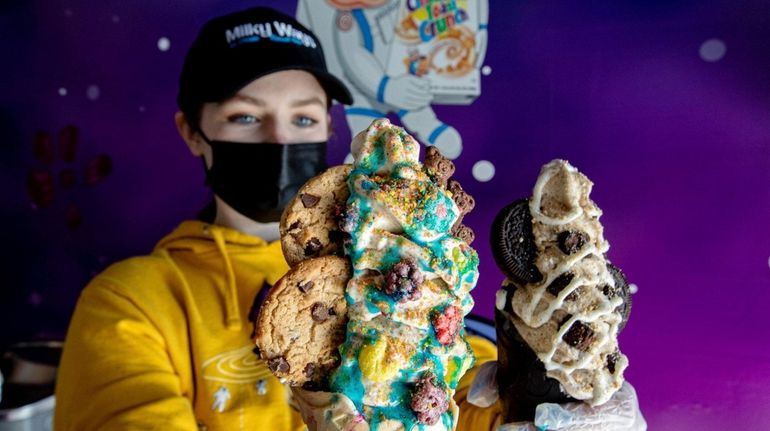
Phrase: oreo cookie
(621, 289)
(513, 243)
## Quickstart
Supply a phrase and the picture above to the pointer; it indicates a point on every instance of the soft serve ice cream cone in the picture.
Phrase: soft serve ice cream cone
(405, 349)
(404, 267)
(562, 305)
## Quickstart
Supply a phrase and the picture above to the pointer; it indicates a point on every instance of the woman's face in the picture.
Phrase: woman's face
(284, 107)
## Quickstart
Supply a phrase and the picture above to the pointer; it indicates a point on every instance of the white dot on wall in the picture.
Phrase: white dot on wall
(768, 262)
(712, 50)
(93, 92)
(486, 70)
(633, 288)
(164, 44)
(68, 12)
(115, 19)
(483, 170)
(62, 91)
(142, 108)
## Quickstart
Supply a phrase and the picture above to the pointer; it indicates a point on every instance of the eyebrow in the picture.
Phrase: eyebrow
(247, 99)
(309, 101)
(294, 104)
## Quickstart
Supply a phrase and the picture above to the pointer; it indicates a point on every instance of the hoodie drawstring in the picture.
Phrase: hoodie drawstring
(187, 291)
(232, 312)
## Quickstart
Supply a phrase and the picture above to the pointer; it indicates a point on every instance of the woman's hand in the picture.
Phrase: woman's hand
(620, 413)
(327, 411)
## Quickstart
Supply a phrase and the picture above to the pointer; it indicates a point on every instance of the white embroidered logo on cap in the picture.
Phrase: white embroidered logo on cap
(276, 31)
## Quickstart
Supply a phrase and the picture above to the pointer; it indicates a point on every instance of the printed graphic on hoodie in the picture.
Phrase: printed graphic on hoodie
(236, 367)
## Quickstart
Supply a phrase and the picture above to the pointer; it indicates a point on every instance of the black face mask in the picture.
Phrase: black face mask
(259, 180)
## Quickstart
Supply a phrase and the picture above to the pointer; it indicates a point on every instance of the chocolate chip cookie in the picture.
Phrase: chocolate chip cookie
(311, 297)
(309, 225)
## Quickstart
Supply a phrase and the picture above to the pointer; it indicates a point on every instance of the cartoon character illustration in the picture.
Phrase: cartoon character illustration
(221, 396)
(261, 387)
(417, 64)
(401, 56)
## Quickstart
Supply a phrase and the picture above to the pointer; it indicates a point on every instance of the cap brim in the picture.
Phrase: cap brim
(334, 87)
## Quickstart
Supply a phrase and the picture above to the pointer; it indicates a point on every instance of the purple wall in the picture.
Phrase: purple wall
(664, 105)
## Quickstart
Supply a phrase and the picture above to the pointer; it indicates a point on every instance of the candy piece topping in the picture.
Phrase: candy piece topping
(429, 401)
(571, 242)
(447, 324)
(403, 281)
(278, 365)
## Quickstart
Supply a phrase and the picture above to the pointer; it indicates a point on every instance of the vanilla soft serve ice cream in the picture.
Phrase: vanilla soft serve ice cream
(405, 349)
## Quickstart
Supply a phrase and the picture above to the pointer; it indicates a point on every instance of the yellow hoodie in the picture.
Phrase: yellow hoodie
(164, 342)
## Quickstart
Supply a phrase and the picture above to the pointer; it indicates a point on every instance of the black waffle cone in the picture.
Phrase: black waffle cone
(521, 376)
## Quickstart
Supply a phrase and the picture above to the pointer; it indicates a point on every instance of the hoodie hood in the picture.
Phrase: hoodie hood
(231, 247)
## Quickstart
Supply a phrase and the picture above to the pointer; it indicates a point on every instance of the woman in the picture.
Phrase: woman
(164, 341)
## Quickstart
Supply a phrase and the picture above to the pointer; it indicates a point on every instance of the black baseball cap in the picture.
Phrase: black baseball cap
(235, 49)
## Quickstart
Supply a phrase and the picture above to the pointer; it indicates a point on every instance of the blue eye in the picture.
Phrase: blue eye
(303, 121)
(243, 119)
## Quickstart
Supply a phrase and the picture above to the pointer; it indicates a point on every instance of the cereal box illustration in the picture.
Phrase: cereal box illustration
(437, 39)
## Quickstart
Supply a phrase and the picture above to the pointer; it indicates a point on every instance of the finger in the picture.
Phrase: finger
(416, 102)
(412, 106)
(334, 406)
(517, 426)
(413, 91)
(419, 84)
(553, 416)
(412, 103)
(420, 98)
(483, 392)
(613, 415)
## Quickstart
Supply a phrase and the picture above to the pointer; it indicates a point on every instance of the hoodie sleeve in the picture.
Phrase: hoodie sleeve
(473, 417)
(115, 372)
